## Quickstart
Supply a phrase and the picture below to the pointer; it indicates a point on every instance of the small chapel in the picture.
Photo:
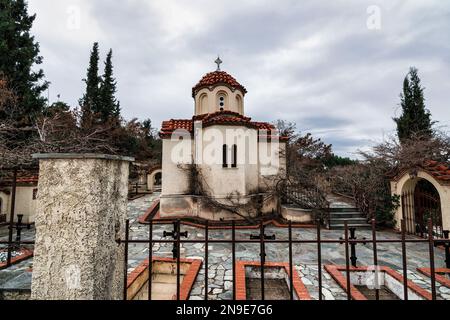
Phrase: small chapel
(220, 164)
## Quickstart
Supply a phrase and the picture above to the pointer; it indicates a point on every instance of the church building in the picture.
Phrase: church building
(220, 165)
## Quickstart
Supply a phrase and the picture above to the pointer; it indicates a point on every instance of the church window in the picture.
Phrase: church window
(224, 156)
(234, 156)
(221, 100)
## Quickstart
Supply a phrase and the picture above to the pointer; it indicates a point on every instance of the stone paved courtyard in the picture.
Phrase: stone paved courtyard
(220, 261)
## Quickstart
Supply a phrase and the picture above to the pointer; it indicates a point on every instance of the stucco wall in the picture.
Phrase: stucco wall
(82, 207)
(406, 183)
(175, 179)
(24, 204)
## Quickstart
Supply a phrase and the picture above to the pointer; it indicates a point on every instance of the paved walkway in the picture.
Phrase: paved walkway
(220, 261)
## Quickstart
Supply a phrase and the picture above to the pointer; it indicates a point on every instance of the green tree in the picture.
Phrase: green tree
(415, 118)
(109, 106)
(335, 160)
(19, 54)
(90, 103)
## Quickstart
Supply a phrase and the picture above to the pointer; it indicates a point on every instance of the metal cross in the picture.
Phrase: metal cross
(262, 235)
(175, 234)
(353, 257)
(445, 242)
(218, 62)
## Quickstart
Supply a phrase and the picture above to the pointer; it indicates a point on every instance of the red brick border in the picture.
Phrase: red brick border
(241, 293)
(188, 280)
(338, 276)
(158, 220)
(27, 253)
(441, 279)
(144, 218)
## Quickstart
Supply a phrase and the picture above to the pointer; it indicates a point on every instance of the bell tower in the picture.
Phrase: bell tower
(218, 91)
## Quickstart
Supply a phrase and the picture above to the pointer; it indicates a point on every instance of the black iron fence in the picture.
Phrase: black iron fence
(15, 226)
(349, 240)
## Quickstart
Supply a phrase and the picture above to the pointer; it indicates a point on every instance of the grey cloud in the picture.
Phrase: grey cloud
(313, 62)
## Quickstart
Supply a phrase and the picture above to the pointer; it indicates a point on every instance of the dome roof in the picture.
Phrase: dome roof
(215, 78)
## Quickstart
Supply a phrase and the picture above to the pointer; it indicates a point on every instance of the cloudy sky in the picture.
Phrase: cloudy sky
(333, 67)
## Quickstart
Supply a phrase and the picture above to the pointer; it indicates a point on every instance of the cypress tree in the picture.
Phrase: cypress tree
(19, 54)
(415, 118)
(90, 103)
(110, 107)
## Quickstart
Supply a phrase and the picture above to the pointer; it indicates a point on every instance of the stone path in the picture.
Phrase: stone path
(220, 260)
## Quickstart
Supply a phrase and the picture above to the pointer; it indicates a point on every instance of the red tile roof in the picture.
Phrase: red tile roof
(440, 171)
(168, 127)
(22, 178)
(217, 118)
(215, 78)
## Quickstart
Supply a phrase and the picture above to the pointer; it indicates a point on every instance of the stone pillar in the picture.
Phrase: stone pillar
(81, 211)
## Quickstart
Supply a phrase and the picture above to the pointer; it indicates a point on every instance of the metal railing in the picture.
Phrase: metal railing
(348, 240)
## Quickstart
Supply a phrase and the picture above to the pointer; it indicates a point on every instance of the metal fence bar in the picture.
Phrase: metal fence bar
(347, 262)
(314, 241)
(178, 258)
(404, 261)
(233, 254)
(375, 259)
(431, 250)
(11, 218)
(150, 259)
(125, 262)
(319, 258)
(206, 258)
(262, 258)
(291, 273)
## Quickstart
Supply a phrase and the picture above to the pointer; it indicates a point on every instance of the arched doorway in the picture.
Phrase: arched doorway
(426, 205)
(158, 180)
(154, 179)
(424, 194)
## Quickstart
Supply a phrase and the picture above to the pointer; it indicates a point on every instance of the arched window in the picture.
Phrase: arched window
(225, 156)
(222, 101)
(234, 156)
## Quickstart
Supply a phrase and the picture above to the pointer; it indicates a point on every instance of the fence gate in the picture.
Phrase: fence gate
(418, 207)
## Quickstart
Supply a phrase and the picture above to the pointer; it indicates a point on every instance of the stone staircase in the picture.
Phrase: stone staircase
(342, 210)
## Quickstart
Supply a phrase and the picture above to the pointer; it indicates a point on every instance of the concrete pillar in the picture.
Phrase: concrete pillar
(81, 211)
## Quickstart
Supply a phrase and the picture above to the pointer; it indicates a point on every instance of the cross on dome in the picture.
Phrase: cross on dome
(218, 62)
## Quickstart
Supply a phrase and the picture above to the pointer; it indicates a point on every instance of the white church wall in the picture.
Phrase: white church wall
(175, 180)
(25, 204)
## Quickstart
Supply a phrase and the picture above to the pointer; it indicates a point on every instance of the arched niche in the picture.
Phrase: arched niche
(239, 104)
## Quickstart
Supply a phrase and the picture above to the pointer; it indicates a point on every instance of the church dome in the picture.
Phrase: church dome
(218, 78)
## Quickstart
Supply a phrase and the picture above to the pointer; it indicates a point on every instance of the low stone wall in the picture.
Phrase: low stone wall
(296, 214)
(197, 206)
